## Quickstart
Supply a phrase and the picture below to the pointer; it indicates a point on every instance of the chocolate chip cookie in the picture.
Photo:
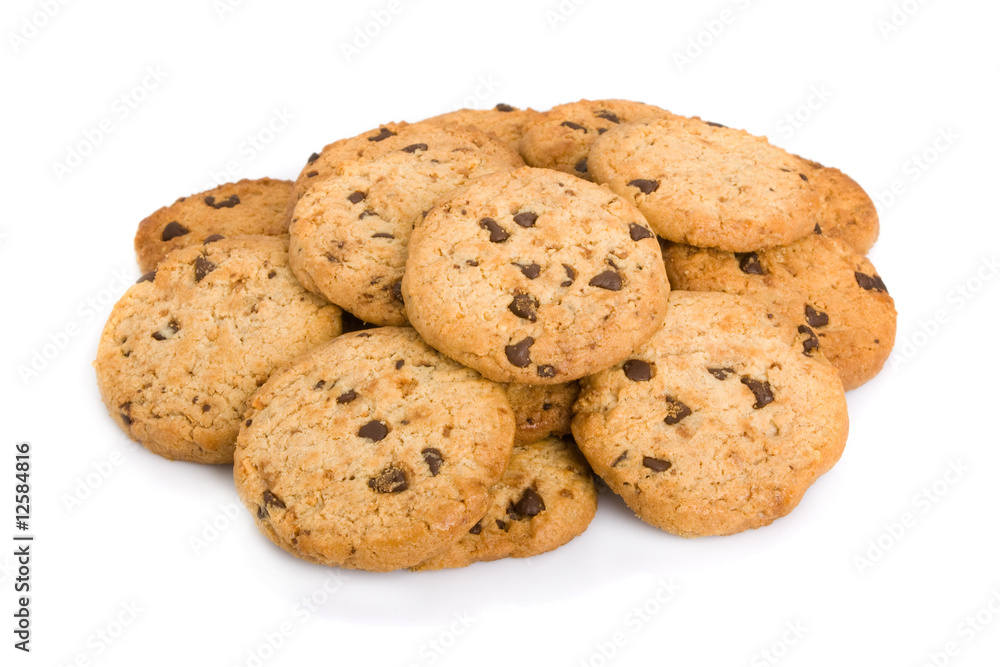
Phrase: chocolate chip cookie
(833, 295)
(372, 452)
(506, 122)
(846, 212)
(535, 277)
(718, 424)
(234, 209)
(545, 499)
(185, 346)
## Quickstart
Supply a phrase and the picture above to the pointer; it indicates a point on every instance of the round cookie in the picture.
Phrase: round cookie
(393, 137)
(846, 212)
(534, 277)
(541, 410)
(185, 346)
(372, 452)
(833, 295)
(706, 185)
(545, 499)
(506, 122)
(234, 209)
(561, 138)
(718, 424)
(350, 231)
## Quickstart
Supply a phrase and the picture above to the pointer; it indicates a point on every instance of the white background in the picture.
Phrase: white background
(115, 525)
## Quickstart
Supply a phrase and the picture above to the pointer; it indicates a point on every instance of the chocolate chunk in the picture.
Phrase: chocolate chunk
(530, 503)
(581, 166)
(373, 430)
(761, 391)
(125, 410)
(173, 230)
(518, 354)
(248, 422)
(620, 459)
(573, 126)
(870, 282)
(816, 318)
(390, 480)
(526, 219)
(637, 370)
(750, 263)
(228, 202)
(811, 343)
(347, 397)
(413, 148)
(383, 134)
(545, 371)
(212, 238)
(367, 213)
(356, 196)
(472, 262)
(656, 465)
(433, 459)
(676, 411)
(524, 306)
(271, 274)
(261, 512)
(320, 384)
(713, 124)
(609, 280)
(570, 274)
(202, 267)
(817, 230)
(399, 364)
(497, 233)
(638, 232)
(313, 158)
(607, 115)
(273, 500)
(312, 174)
(804, 177)
(171, 328)
(645, 185)
(205, 408)
(501, 525)
(396, 290)
(531, 271)
(146, 277)
(382, 235)
(721, 373)
(506, 108)
(475, 530)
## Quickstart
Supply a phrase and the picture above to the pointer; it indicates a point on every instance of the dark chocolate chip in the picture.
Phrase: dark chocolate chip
(472, 262)
(382, 235)
(173, 230)
(205, 408)
(273, 500)
(347, 397)
(413, 148)
(313, 158)
(497, 233)
(620, 459)
(248, 422)
(714, 124)
(573, 126)
(531, 271)
(271, 274)
(676, 411)
(320, 384)
(602, 130)
(581, 166)
(312, 174)
(390, 480)
(804, 177)
(526, 219)
(750, 263)
(367, 213)
(202, 267)
(125, 413)
(399, 364)
(518, 354)
(607, 115)
(546, 371)
(212, 238)
(506, 108)
(817, 230)
(475, 530)
(383, 133)
(396, 290)
(228, 202)
(357, 196)
(761, 391)
(868, 282)
(645, 185)
(656, 465)
(570, 275)
(721, 373)
(373, 430)
(638, 232)
(501, 525)
(171, 328)
(811, 343)
(524, 306)
(261, 512)
(530, 503)
(146, 277)
(433, 459)
(609, 280)
(637, 370)
(816, 318)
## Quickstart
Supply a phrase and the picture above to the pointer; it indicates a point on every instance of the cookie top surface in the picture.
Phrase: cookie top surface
(534, 276)
(835, 295)
(184, 348)
(718, 424)
(707, 185)
(545, 498)
(561, 138)
(506, 122)
(372, 452)
(846, 212)
(234, 209)
(393, 137)
(350, 231)
(541, 410)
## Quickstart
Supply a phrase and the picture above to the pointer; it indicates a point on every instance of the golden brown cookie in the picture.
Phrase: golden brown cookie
(846, 212)
(541, 410)
(506, 122)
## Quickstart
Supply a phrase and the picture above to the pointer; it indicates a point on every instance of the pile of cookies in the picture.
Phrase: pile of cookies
(418, 354)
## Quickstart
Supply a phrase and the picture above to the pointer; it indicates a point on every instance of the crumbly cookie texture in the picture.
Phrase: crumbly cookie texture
(846, 212)
(707, 185)
(535, 277)
(350, 231)
(505, 121)
(833, 295)
(393, 137)
(719, 423)
(562, 137)
(184, 347)
(541, 410)
(372, 452)
(247, 207)
(545, 499)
